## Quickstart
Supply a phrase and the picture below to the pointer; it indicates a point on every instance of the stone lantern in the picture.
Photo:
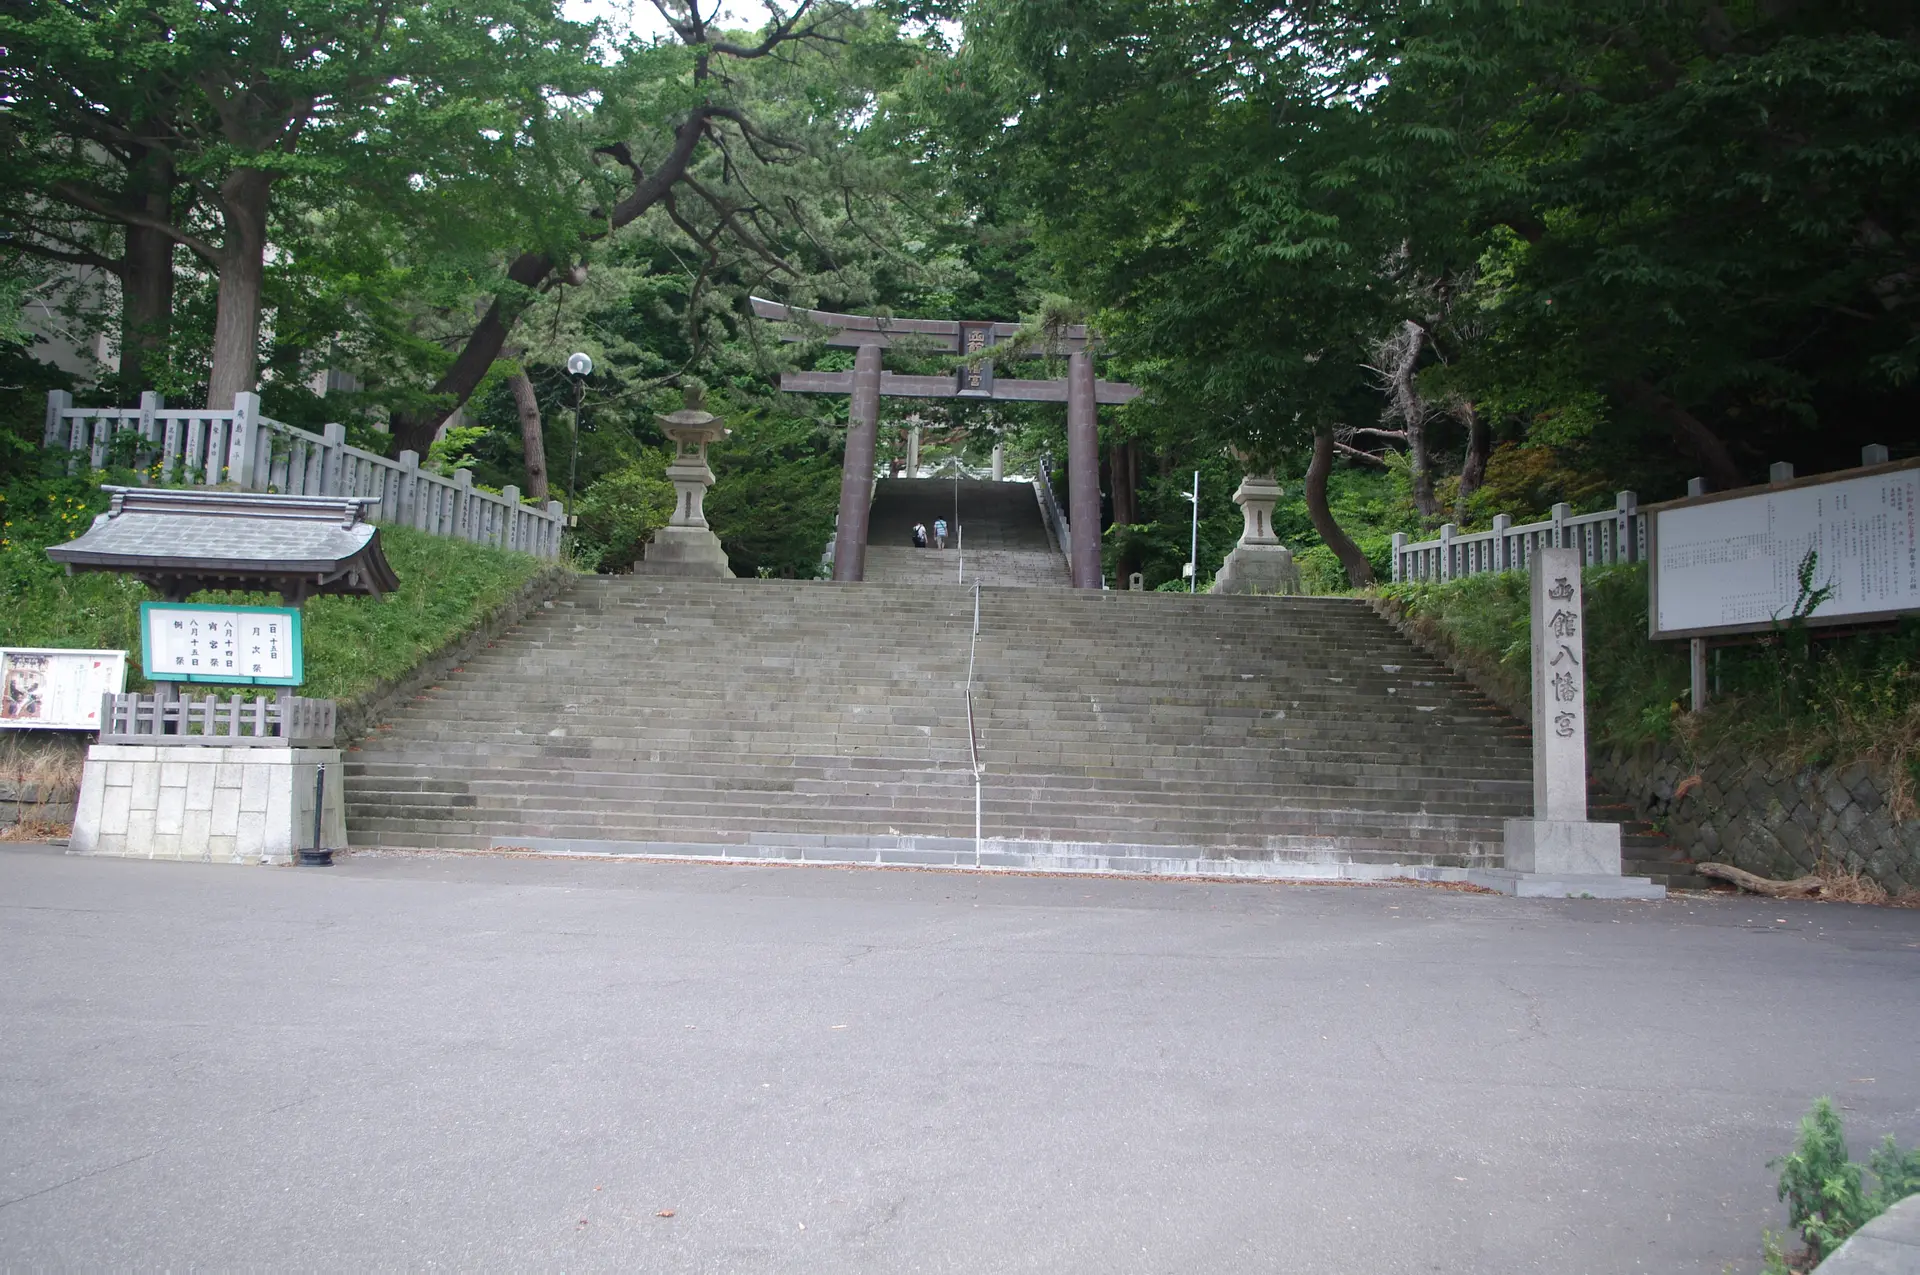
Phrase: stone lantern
(686, 546)
(1259, 563)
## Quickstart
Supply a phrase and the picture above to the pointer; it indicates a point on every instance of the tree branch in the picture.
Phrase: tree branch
(1354, 452)
(80, 198)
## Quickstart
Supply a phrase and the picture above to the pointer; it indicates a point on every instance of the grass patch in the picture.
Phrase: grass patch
(1791, 694)
(352, 644)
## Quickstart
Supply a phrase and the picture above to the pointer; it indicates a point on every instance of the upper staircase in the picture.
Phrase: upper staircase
(1003, 538)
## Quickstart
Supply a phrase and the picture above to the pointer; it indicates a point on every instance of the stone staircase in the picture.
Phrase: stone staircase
(760, 716)
(1006, 540)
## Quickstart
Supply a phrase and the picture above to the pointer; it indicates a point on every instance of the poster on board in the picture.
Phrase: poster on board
(1731, 563)
(43, 688)
(192, 642)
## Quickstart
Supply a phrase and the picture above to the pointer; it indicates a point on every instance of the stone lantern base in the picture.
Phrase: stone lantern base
(1258, 569)
(1259, 563)
(685, 551)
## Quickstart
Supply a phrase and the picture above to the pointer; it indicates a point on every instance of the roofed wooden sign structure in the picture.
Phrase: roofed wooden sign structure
(867, 384)
(180, 542)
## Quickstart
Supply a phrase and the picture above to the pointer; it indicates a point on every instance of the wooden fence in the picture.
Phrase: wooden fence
(241, 447)
(1610, 536)
(286, 721)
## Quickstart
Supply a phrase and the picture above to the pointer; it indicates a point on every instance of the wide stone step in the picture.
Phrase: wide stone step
(638, 709)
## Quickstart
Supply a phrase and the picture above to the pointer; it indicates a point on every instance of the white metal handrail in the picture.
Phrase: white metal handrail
(973, 735)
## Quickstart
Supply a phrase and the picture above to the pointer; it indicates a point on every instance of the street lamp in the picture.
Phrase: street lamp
(579, 367)
(1193, 551)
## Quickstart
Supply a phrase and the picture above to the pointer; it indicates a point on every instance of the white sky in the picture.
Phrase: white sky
(641, 18)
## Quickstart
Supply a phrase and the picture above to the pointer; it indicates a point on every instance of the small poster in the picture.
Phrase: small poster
(191, 642)
(47, 689)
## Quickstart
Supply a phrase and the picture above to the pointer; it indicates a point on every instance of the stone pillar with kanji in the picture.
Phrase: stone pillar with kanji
(1560, 840)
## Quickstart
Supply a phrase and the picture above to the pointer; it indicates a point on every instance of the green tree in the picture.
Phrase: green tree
(239, 97)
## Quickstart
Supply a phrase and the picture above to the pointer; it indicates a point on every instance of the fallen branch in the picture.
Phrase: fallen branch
(1799, 888)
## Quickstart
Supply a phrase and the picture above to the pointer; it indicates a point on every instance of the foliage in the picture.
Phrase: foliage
(182, 118)
(1792, 693)
(447, 586)
(1825, 1190)
(776, 494)
(621, 512)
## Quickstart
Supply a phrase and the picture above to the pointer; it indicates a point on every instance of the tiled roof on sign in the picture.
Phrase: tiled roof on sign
(181, 542)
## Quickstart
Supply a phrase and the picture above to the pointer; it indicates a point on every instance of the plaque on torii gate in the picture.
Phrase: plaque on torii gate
(867, 384)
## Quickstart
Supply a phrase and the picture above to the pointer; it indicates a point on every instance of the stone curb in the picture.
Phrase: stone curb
(1888, 1245)
(958, 853)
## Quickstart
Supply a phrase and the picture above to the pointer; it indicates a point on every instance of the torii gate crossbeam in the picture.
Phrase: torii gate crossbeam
(867, 384)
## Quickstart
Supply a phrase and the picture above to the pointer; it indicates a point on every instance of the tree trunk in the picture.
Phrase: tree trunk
(1412, 410)
(1359, 570)
(146, 277)
(416, 429)
(236, 324)
(1707, 448)
(1120, 474)
(1473, 470)
(533, 439)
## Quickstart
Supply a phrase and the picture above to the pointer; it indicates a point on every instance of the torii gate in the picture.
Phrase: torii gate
(868, 384)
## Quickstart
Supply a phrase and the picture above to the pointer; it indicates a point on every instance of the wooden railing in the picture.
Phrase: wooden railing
(285, 721)
(255, 453)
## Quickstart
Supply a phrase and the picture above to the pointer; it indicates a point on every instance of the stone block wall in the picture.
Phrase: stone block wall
(37, 803)
(1771, 818)
(208, 804)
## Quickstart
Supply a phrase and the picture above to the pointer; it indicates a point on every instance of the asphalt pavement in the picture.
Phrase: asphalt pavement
(485, 1063)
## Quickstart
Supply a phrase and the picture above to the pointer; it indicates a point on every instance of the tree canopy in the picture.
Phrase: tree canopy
(1482, 255)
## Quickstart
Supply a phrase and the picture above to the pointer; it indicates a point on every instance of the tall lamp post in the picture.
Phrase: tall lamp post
(1193, 550)
(579, 367)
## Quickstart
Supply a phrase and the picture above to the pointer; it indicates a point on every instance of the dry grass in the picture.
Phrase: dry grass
(1838, 885)
(50, 763)
(36, 830)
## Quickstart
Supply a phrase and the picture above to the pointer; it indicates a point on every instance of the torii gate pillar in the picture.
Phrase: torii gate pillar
(1083, 471)
(856, 473)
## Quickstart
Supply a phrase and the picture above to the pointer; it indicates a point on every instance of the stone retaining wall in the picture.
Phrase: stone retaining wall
(35, 803)
(1771, 818)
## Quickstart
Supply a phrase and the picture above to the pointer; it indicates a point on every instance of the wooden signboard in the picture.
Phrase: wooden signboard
(1730, 562)
(192, 642)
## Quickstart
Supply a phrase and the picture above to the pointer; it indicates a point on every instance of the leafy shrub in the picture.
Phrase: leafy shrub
(1795, 693)
(620, 513)
(1825, 1191)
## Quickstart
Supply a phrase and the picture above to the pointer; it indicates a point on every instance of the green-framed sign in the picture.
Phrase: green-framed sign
(196, 642)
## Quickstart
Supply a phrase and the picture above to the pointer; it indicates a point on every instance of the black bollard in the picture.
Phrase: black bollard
(318, 857)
